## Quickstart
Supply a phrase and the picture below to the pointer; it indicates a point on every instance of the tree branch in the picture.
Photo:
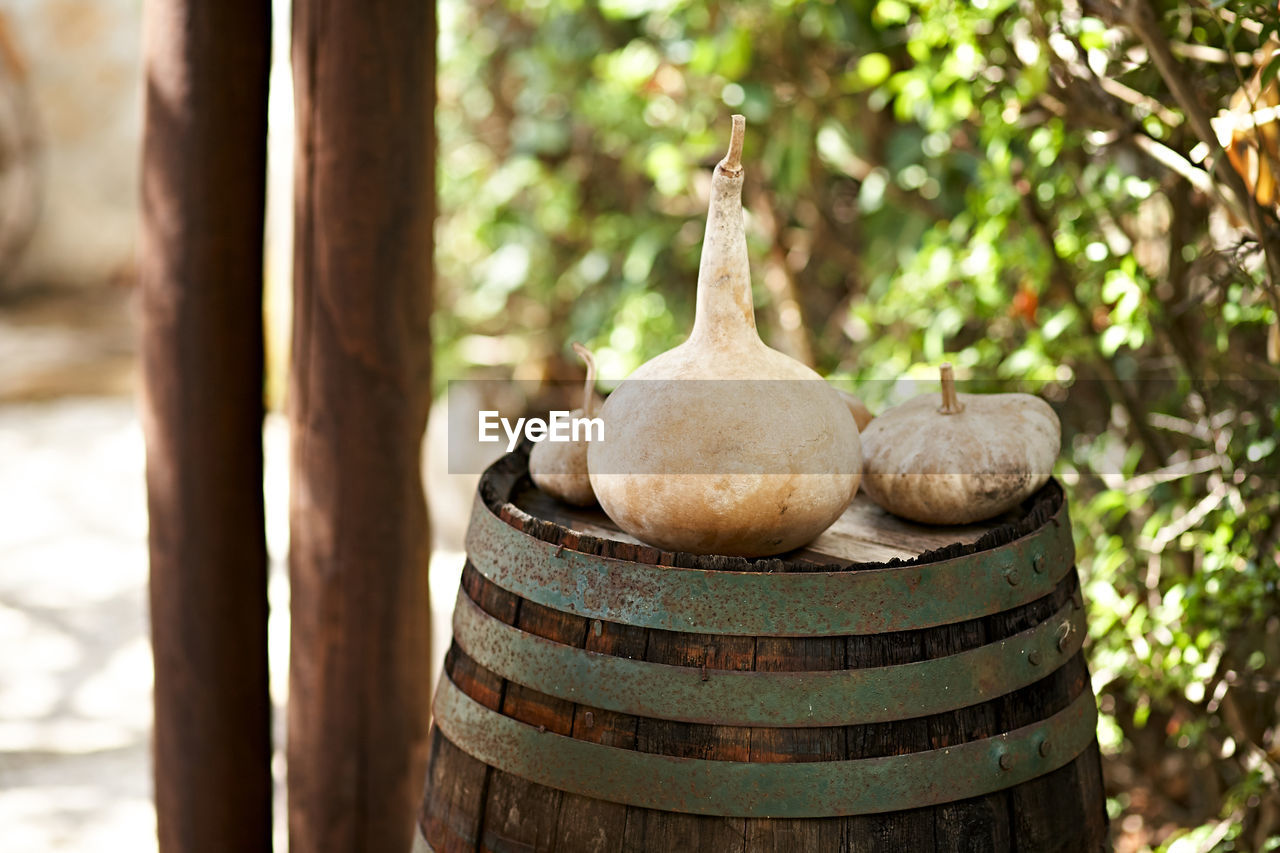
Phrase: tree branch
(1063, 279)
(1141, 19)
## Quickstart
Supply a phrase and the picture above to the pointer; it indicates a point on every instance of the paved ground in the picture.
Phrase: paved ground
(75, 661)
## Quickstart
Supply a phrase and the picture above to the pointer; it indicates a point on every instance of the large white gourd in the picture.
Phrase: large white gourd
(723, 445)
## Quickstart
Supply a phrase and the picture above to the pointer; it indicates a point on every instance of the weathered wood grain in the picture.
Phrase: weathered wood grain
(1046, 814)
(586, 825)
(863, 534)
(978, 823)
(519, 815)
(450, 818)
(903, 830)
(364, 81)
(200, 269)
(654, 830)
(797, 654)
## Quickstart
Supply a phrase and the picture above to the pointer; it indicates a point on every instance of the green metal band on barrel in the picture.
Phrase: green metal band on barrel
(783, 604)
(745, 789)
(782, 699)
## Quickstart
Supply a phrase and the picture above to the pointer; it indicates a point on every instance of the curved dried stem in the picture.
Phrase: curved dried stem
(588, 388)
(951, 404)
(732, 162)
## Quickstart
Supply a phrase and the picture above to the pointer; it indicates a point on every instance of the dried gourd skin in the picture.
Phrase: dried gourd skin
(960, 467)
(559, 468)
(706, 451)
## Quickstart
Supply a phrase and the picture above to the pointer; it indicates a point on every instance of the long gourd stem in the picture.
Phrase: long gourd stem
(590, 384)
(732, 162)
(951, 404)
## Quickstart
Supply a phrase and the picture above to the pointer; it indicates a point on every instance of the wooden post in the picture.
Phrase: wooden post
(203, 190)
(364, 78)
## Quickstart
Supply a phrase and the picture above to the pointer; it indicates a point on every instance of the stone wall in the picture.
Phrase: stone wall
(83, 64)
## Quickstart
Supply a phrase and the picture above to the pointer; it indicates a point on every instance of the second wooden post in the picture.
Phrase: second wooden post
(358, 710)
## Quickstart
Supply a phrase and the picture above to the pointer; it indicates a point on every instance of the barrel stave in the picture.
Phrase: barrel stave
(979, 823)
(1046, 813)
(457, 784)
(517, 816)
(665, 830)
(586, 824)
(900, 830)
(797, 654)
(450, 816)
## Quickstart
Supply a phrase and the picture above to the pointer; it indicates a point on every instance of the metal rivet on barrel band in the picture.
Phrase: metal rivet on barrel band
(770, 604)
(729, 697)
(778, 790)
(1013, 577)
(1037, 563)
(1034, 657)
(1006, 761)
(1045, 748)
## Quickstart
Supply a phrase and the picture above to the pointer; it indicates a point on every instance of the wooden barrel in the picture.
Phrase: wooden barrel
(891, 687)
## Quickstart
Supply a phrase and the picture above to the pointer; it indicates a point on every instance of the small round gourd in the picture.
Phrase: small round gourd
(968, 459)
(723, 445)
(861, 414)
(559, 468)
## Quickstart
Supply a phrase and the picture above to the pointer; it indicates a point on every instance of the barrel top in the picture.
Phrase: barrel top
(863, 536)
(865, 533)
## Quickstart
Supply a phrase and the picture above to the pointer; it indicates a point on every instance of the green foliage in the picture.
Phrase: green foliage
(1001, 184)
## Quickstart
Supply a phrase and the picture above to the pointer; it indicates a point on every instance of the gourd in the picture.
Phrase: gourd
(968, 459)
(861, 414)
(559, 468)
(723, 445)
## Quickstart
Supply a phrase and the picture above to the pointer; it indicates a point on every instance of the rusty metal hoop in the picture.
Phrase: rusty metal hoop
(787, 699)
(784, 604)
(745, 789)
